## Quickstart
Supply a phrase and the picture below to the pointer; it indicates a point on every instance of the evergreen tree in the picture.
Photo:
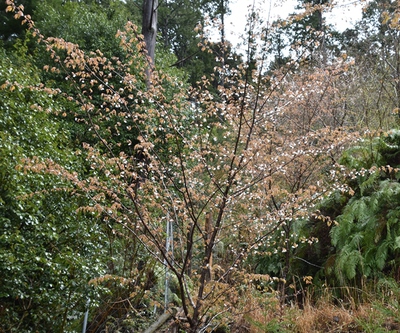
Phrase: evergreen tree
(304, 38)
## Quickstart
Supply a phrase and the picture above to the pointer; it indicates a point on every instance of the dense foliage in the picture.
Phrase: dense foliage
(206, 185)
(48, 251)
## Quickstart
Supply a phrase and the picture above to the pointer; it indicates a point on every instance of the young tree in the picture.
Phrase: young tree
(224, 172)
(311, 123)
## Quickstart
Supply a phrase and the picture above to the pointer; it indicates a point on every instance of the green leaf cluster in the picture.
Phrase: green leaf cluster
(48, 251)
(90, 24)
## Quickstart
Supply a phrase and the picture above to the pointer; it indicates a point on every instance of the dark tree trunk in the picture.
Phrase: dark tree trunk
(149, 30)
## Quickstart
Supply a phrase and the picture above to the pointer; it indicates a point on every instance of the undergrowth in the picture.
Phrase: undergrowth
(380, 312)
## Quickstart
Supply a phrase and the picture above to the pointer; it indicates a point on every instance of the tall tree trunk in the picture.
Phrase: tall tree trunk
(149, 30)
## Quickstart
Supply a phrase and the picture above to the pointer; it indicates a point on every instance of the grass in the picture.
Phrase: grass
(380, 313)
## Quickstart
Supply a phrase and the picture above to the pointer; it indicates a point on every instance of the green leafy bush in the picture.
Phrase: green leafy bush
(360, 230)
(48, 251)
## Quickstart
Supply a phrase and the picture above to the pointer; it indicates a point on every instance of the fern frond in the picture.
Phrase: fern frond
(348, 262)
(381, 255)
(369, 183)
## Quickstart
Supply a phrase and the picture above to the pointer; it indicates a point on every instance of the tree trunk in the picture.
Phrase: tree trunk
(208, 231)
(149, 30)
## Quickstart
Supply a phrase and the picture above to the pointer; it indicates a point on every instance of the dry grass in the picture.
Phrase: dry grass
(268, 316)
(325, 317)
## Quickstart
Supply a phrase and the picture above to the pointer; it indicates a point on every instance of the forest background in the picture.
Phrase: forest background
(149, 174)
